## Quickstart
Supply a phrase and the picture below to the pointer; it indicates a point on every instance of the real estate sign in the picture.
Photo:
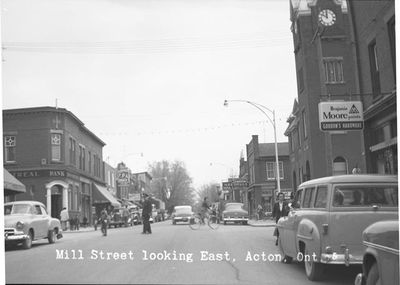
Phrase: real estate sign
(341, 116)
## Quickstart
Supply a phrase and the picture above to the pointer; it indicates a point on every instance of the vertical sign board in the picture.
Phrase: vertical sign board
(341, 116)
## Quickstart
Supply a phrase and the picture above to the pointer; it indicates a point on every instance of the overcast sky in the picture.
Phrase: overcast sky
(151, 76)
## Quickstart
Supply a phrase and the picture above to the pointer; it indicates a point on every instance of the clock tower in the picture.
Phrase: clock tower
(325, 66)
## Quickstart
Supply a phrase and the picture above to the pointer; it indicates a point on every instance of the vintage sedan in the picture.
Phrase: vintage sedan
(182, 214)
(26, 221)
(329, 215)
(234, 213)
(381, 257)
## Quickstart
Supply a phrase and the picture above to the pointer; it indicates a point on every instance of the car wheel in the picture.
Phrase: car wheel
(52, 236)
(285, 258)
(27, 244)
(313, 269)
(373, 275)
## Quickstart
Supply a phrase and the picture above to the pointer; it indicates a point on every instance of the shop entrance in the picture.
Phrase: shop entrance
(56, 201)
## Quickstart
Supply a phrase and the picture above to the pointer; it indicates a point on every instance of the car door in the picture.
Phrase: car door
(289, 226)
(42, 222)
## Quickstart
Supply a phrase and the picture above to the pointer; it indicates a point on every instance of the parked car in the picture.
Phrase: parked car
(26, 221)
(182, 214)
(381, 256)
(234, 213)
(116, 218)
(329, 215)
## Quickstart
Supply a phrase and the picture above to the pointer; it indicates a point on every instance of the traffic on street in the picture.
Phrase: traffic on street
(172, 254)
(200, 142)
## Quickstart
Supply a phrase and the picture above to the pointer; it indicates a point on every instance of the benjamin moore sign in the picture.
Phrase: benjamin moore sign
(341, 116)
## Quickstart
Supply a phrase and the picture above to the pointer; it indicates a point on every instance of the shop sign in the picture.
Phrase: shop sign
(39, 173)
(341, 116)
(234, 184)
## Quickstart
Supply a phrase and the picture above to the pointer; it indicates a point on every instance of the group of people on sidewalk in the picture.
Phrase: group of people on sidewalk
(70, 223)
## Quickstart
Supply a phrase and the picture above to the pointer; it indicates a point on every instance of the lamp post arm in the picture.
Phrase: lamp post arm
(259, 107)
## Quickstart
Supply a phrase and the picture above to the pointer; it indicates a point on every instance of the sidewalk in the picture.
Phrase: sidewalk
(262, 223)
(81, 230)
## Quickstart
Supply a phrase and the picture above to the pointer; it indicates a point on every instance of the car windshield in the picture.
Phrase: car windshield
(183, 210)
(17, 209)
(233, 207)
(365, 195)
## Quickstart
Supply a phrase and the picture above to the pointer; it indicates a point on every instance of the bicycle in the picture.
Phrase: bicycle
(211, 220)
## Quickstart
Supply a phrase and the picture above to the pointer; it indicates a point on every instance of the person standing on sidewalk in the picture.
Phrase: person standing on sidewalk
(280, 210)
(146, 213)
(64, 217)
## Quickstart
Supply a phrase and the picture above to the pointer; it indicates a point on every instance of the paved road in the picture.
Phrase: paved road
(182, 256)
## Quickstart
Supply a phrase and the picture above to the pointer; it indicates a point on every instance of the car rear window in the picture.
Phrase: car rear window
(365, 195)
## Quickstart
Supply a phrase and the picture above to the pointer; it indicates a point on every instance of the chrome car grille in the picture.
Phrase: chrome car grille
(9, 232)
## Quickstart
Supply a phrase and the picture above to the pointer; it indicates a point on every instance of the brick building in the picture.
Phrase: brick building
(374, 32)
(56, 157)
(326, 72)
(261, 173)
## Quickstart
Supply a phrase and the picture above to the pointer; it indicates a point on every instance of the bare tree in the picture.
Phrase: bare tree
(171, 183)
(208, 190)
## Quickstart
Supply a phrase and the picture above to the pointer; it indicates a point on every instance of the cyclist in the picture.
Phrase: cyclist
(104, 221)
(205, 206)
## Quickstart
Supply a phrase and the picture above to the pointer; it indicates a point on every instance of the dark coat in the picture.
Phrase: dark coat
(147, 207)
(277, 213)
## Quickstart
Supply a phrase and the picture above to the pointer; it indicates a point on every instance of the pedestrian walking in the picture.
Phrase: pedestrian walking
(64, 217)
(280, 209)
(146, 213)
(125, 215)
(95, 221)
(259, 212)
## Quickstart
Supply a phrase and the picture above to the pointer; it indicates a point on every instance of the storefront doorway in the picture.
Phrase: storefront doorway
(56, 201)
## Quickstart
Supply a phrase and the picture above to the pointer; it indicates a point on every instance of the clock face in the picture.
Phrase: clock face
(327, 17)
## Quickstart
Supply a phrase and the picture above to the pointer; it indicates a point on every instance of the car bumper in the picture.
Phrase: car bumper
(15, 236)
(236, 219)
(182, 219)
(346, 259)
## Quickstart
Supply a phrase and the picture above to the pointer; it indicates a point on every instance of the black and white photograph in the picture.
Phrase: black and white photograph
(199, 142)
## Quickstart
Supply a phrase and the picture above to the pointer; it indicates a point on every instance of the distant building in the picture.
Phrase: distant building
(56, 157)
(261, 172)
(141, 182)
(110, 175)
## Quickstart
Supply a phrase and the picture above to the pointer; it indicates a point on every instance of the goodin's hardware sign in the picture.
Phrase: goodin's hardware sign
(341, 116)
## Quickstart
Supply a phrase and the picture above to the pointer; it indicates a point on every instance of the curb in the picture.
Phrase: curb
(262, 225)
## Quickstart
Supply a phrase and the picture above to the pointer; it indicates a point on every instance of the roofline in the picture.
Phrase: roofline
(54, 109)
(351, 178)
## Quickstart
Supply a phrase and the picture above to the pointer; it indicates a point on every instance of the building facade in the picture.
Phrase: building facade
(375, 34)
(326, 72)
(261, 173)
(110, 177)
(55, 156)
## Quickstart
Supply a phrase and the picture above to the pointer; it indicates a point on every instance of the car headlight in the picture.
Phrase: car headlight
(19, 225)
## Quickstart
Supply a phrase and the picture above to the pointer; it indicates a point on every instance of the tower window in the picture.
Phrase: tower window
(333, 67)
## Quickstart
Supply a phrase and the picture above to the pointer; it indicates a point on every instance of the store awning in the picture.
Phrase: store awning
(101, 196)
(12, 183)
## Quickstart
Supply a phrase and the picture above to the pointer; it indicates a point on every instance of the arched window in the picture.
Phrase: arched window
(339, 166)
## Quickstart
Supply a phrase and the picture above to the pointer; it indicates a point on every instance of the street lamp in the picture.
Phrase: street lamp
(262, 109)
